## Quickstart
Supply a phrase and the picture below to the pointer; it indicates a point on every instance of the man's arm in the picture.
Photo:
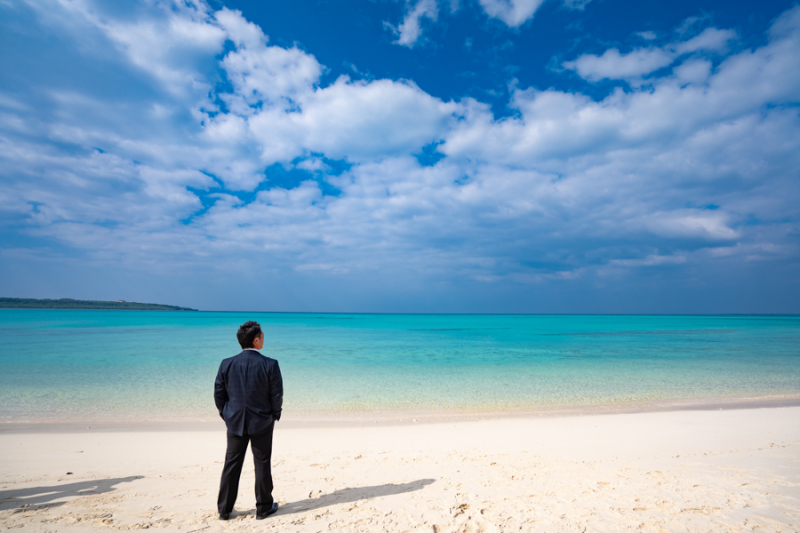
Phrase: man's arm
(220, 392)
(276, 392)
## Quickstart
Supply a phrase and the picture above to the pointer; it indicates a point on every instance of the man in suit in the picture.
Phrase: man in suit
(248, 392)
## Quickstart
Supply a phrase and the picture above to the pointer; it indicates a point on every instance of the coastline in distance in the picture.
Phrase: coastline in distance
(69, 303)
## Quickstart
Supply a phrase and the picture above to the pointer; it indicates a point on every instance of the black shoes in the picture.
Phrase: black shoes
(259, 516)
(273, 510)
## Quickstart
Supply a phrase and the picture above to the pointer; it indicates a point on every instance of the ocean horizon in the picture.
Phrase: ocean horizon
(85, 365)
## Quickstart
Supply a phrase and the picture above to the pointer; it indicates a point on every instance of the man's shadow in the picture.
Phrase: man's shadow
(349, 495)
(37, 496)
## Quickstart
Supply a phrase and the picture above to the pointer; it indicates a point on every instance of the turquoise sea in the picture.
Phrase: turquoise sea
(103, 365)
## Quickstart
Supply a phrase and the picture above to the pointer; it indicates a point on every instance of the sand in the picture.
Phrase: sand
(726, 470)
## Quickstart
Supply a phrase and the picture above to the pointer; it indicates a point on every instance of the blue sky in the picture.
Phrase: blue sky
(563, 156)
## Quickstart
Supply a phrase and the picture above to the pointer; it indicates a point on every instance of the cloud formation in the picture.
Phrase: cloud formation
(410, 29)
(235, 157)
(512, 12)
(643, 61)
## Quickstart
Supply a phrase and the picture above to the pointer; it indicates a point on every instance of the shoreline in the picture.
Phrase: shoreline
(378, 418)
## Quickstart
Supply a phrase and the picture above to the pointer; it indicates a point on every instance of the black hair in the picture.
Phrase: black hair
(247, 334)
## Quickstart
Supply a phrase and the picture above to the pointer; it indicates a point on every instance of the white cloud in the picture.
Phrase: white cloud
(513, 12)
(368, 119)
(269, 76)
(711, 40)
(643, 61)
(410, 30)
(168, 44)
(313, 164)
(696, 71)
(242, 32)
(691, 223)
(613, 65)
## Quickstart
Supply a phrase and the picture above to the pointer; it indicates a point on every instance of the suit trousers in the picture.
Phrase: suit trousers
(261, 446)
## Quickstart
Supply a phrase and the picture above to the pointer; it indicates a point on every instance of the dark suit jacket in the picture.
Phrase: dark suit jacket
(248, 392)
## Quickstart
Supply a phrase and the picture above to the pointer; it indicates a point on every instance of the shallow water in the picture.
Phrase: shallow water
(90, 365)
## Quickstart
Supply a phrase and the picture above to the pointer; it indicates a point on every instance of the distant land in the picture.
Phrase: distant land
(69, 303)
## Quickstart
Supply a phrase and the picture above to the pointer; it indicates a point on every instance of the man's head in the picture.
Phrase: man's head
(248, 333)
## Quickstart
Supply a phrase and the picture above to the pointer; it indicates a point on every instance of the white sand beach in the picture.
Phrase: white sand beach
(713, 470)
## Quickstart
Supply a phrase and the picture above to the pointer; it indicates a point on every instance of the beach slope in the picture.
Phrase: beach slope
(732, 470)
